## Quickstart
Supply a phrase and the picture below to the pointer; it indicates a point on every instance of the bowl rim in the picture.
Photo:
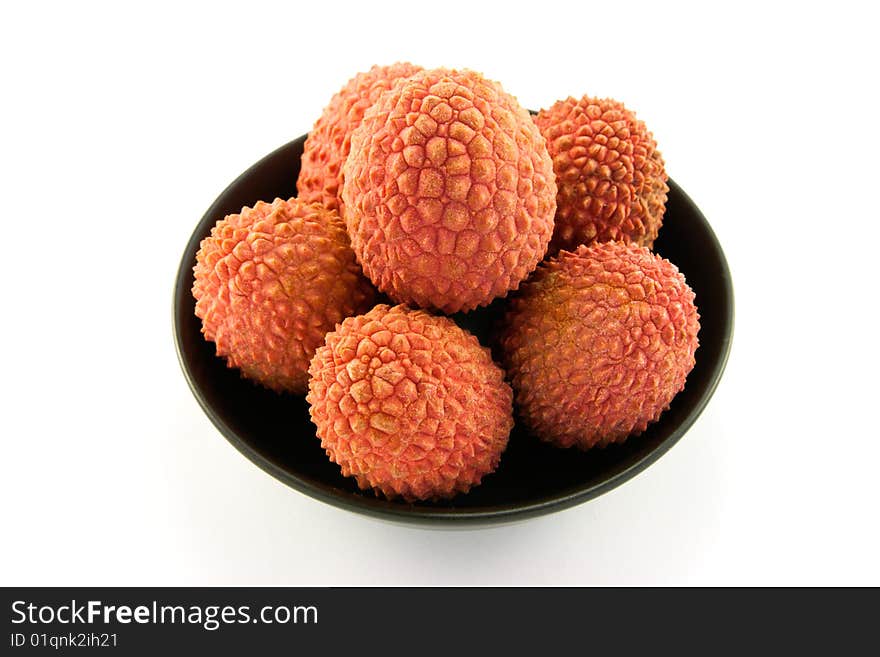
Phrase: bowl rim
(447, 516)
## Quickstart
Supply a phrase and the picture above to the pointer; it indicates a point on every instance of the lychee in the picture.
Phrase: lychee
(610, 175)
(328, 144)
(270, 282)
(449, 191)
(598, 342)
(409, 404)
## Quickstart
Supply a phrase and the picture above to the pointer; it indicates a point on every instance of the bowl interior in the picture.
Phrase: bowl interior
(533, 478)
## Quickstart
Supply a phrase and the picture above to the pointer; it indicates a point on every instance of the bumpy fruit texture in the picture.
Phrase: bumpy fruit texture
(610, 175)
(328, 144)
(270, 282)
(598, 342)
(409, 404)
(449, 191)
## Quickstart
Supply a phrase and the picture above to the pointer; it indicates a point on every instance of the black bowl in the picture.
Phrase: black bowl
(274, 431)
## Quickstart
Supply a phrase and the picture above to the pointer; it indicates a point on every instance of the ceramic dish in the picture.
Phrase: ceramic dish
(274, 431)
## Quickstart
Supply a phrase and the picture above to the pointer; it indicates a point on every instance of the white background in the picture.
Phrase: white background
(120, 126)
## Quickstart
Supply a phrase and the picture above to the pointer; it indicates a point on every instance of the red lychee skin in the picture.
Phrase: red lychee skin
(598, 342)
(449, 192)
(328, 144)
(270, 282)
(409, 404)
(610, 175)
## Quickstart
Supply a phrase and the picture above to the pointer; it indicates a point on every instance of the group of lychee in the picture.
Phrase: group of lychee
(437, 190)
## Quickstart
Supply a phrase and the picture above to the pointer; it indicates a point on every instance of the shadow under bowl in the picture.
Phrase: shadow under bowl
(274, 431)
